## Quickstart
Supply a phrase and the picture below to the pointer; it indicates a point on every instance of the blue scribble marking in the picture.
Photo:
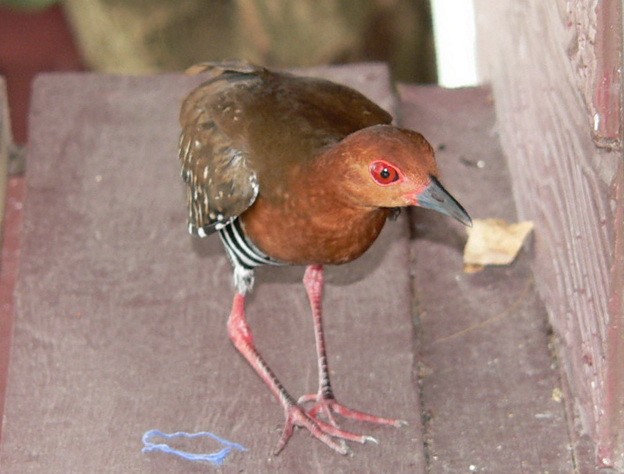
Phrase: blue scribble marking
(215, 458)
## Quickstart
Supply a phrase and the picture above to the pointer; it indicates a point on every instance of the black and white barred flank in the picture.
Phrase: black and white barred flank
(241, 251)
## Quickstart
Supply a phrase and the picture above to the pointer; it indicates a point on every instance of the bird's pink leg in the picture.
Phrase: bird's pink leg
(242, 338)
(324, 400)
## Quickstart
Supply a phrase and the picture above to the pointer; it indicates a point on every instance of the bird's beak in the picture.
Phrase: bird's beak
(439, 199)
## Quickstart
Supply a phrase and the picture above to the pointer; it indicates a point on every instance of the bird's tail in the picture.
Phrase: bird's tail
(230, 66)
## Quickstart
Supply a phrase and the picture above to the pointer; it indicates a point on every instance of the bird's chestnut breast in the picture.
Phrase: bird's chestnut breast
(293, 234)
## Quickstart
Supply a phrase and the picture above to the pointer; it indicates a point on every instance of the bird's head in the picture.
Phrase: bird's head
(388, 166)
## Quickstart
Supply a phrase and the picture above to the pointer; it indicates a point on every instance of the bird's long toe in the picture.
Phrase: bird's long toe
(328, 406)
(327, 433)
(296, 416)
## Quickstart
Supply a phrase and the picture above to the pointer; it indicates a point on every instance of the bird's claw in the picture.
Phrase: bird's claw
(327, 433)
(329, 406)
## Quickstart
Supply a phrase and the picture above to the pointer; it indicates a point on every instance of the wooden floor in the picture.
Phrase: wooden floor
(119, 317)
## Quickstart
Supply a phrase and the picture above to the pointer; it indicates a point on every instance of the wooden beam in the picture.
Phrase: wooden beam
(6, 140)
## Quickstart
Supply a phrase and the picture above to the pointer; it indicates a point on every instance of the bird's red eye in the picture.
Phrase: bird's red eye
(383, 173)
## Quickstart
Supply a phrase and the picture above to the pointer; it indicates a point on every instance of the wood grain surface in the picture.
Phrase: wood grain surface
(488, 379)
(120, 315)
(541, 60)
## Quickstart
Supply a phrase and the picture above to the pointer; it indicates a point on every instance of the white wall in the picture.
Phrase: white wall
(454, 31)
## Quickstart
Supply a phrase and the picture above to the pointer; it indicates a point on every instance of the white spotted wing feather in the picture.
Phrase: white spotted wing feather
(220, 185)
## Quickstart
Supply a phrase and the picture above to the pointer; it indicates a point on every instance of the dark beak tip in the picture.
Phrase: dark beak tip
(437, 198)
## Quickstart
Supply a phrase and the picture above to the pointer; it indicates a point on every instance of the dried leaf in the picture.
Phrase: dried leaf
(472, 268)
(557, 394)
(494, 242)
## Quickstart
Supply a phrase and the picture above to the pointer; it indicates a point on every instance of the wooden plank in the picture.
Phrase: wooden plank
(9, 266)
(554, 89)
(5, 290)
(120, 316)
(6, 141)
(487, 376)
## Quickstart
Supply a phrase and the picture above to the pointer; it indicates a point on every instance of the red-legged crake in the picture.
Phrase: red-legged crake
(300, 171)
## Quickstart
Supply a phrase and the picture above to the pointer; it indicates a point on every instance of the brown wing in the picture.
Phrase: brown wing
(220, 183)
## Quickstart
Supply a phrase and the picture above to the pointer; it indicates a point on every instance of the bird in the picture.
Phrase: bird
(296, 170)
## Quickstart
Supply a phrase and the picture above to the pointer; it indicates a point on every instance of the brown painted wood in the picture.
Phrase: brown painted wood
(555, 72)
(120, 315)
(9, 267)
(119, 326)
(6, 141)
(487, 375)
(5, 292)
